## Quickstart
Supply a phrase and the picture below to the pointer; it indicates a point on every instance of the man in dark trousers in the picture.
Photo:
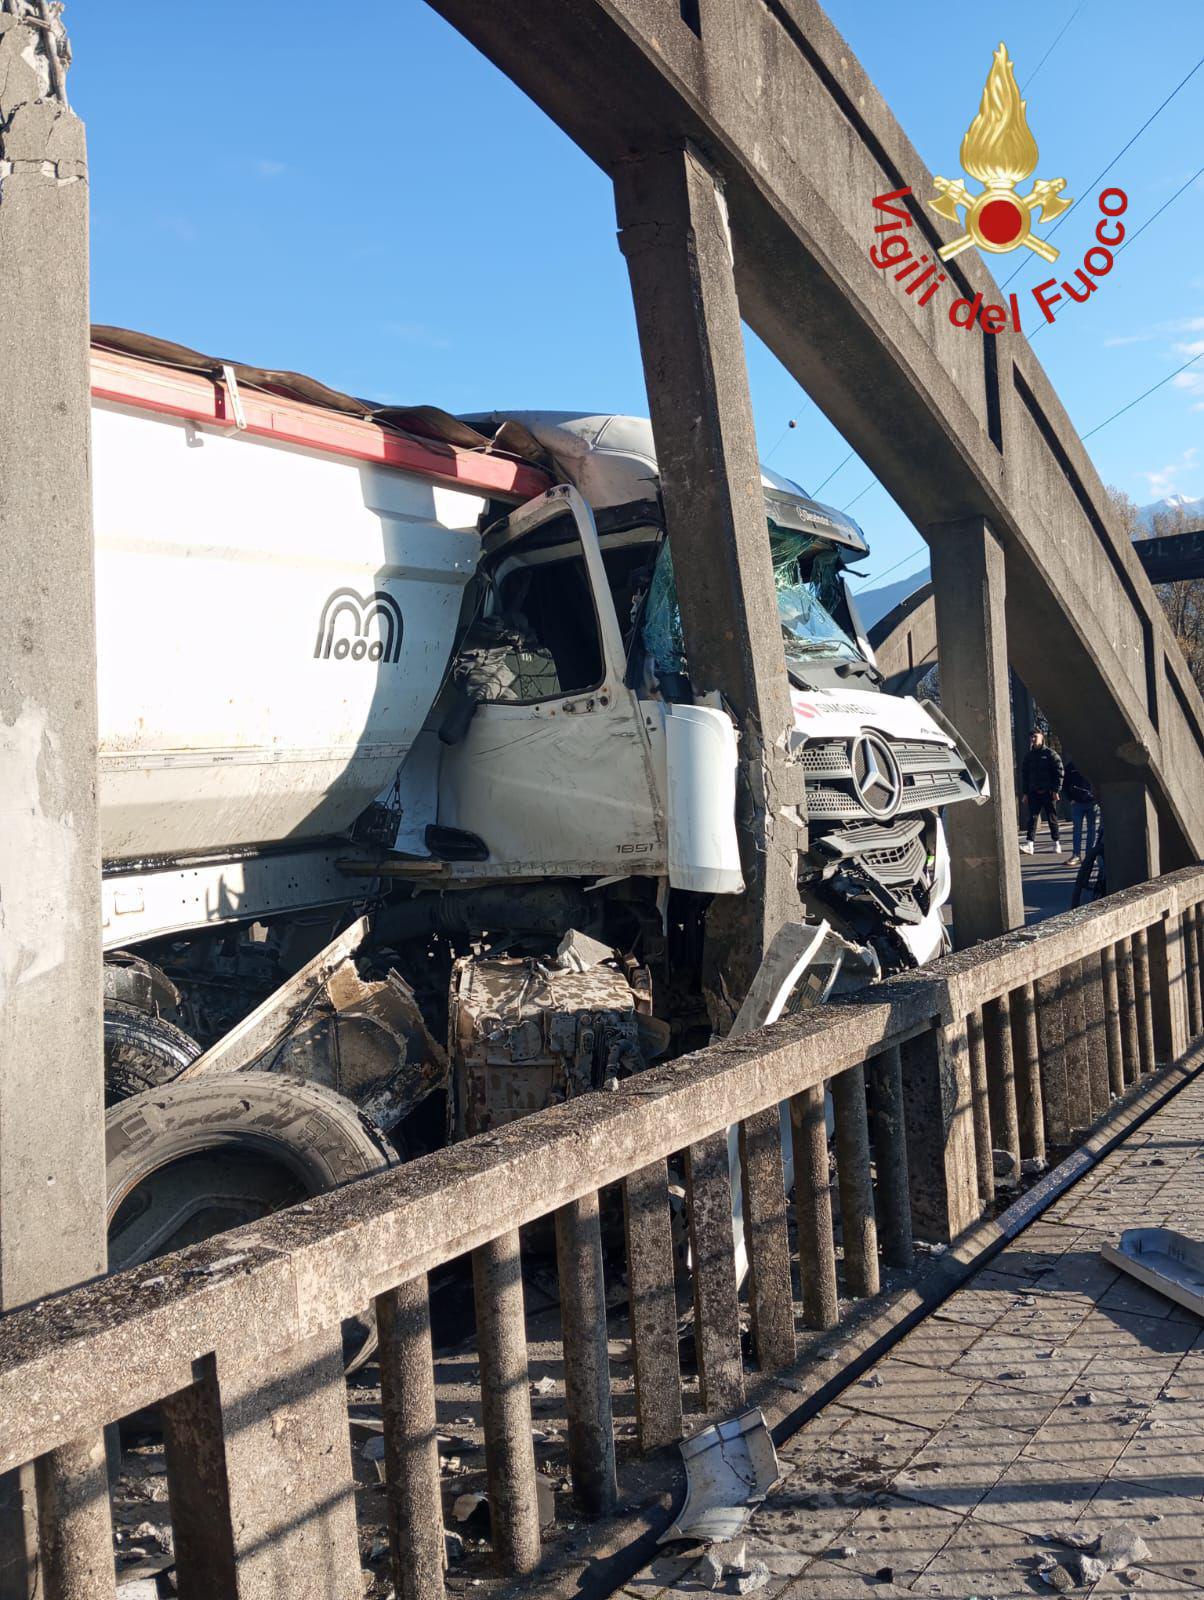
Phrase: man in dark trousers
(1041, 775)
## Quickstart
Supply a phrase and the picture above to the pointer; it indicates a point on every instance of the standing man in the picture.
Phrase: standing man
(1078, 790)
(1042, 777)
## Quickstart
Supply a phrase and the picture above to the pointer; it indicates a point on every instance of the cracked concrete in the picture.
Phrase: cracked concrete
(1050, 1401)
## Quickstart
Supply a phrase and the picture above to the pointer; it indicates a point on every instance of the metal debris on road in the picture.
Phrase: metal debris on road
(1168, 1262)
(730, 1468)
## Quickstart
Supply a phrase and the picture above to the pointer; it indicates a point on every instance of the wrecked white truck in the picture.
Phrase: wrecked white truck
(405, 789)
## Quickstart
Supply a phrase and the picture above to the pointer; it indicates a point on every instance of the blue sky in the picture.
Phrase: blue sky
(376, 205)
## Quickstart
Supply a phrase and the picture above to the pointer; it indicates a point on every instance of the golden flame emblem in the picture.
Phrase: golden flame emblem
(999, 150)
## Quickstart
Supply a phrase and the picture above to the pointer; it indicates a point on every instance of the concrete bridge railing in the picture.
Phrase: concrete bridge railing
(1020, 1045)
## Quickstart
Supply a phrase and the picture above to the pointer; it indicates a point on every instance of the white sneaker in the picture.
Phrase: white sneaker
(1057, 849)
(1075, 861)
(1027, 849)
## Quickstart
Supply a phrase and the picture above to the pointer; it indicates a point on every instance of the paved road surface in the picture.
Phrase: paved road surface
(1048, 879)
(1049, 1401)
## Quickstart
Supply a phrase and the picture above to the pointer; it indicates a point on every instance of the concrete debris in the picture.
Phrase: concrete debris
(727, 1570)
(1087, 1398)
(544, 1385)
(373, 1449)
(453, 1546)
(730, 1468)
(1004, 1164)
(577, 952)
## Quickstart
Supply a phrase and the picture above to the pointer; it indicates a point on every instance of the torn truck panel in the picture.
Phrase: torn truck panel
(331, 1024)
(367, 1039)
(524, 1035)
(1163, 1260)
(730, 1468)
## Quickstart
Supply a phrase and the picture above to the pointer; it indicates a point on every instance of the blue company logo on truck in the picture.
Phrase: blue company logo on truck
(346, 619)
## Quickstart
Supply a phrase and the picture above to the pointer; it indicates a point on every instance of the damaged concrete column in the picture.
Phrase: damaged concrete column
(968, 587)
(52, 1168)
(674, 234)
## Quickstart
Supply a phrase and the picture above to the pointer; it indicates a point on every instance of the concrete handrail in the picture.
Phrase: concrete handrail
(96, 1353)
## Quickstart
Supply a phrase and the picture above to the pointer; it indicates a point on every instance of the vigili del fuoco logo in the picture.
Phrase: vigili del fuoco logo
(1000, 152)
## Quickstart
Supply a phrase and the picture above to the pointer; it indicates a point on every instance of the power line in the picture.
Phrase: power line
(857, 497)
(1143, 396)
(1106, 170)
(877, 577)
(834, 471)
(1135, 236)
(1052, 47)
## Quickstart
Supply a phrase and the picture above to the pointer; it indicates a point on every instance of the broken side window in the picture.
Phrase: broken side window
(544, 606)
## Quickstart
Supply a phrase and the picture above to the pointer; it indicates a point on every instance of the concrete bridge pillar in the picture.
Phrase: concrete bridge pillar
(1130, 833)
(52, 1165)
(968, 587)
(673, 231)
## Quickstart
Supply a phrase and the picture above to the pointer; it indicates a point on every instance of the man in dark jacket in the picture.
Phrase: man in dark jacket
(1041, 775)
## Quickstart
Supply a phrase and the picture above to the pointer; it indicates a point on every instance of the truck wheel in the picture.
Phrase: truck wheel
(189, 1160)
(141, 1050)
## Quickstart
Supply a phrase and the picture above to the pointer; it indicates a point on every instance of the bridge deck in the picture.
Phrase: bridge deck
(1051, 1395)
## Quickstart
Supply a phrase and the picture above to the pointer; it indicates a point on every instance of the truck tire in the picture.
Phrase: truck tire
(142, 1050)
(188, 1160)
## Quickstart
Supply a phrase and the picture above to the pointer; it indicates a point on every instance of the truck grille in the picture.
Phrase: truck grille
(933, 775)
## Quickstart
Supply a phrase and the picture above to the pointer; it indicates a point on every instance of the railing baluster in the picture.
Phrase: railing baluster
(652, 1306)
(1196, 946)
(506, 1403)
(716, 1302)
(1078, 1062)
(1051, 1031)
(1129, 1030)
(859, 1230)
(591, 1434)
(257, 1508)
(980, 1099)
(1001, 1079)
(1027, 1054)
(407, 1393)
(770, 1295)
(938, 1114)
(1145, 1010)
(1094, 1006)
(1169, 987)
(75, 1522)
(1191, 936)
(813, 1209)
(890, 1157)
(1112, 1028)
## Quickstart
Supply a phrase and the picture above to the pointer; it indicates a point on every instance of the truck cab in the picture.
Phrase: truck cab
(593, 748)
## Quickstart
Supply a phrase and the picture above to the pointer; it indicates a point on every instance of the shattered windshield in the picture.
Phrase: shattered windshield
(809, 633)
(805, 572)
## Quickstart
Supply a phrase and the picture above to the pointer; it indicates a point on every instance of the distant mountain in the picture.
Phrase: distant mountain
(1176, 507)
(875, 603)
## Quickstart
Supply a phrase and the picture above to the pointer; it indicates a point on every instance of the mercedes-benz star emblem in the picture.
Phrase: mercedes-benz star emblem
(876, 776)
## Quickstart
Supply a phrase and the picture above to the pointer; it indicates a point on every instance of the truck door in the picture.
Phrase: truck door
(555, 771)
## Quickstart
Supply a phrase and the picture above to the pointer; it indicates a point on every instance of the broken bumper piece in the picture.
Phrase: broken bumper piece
(1166, 1261)
(730, 1468)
